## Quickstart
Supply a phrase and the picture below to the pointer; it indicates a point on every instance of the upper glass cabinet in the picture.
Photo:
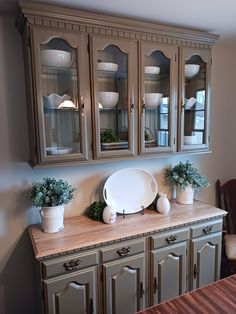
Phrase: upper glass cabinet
(113, 97)
(61, 103)
(194, 104)
(158, 98)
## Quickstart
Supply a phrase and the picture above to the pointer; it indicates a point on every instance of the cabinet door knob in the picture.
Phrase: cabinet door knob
(171, 239)
(71, 265)
(124, 251)
(208, 229)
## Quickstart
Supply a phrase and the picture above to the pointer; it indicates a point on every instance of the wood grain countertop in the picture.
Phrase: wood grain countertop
(216, 298)
(83, 233)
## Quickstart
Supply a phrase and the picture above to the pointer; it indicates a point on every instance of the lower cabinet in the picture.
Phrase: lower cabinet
(134, 273)
(72, 294)
(125, 285)
(168, 272)
(205, 260)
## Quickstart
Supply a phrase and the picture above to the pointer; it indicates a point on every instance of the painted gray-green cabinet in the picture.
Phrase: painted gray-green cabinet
(169, 272)
(72, 294)
(125, 285)
(205, 261)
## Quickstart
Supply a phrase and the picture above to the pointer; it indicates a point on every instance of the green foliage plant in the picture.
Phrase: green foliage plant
(96, 210)
(109, 136)
(51, 192)
(183, 174)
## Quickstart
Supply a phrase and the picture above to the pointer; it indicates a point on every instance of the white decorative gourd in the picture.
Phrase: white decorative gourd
(109, 215)
(163, 204)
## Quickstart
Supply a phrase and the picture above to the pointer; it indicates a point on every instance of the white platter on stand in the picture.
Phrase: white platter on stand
(130, 190)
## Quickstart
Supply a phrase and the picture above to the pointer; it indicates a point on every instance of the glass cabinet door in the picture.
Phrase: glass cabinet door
(194, 102)
(158, 98)
(113, 97)
(61, 103)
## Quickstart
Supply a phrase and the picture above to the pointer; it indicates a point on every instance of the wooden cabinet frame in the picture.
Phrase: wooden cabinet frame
(102, 28)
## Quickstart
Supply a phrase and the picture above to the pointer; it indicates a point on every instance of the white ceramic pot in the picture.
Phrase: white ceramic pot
(109, 215)
(163, 204)
(185, 196)
(52, 218)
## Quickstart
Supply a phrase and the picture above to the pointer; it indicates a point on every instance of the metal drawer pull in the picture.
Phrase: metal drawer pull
(141, 290)
(208, 229)
(155, 287)
(73, 264)
(124, 251)
(195, 271)
(171, 239)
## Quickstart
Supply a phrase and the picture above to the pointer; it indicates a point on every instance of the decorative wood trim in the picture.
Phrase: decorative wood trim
(107, 25)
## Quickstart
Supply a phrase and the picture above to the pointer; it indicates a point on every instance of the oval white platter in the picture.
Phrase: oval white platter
(130, 190)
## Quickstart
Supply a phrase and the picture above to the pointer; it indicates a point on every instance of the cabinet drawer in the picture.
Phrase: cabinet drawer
(69, 263)
(122, 250)
(168, 238)
(206, 228)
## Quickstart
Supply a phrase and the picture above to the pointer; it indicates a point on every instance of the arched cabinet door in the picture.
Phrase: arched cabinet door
(194, 100)
(61, 96)
(206, 257)
(158, 98)
(125, 285)
(72, 294)
(169, 272)
(114, 101)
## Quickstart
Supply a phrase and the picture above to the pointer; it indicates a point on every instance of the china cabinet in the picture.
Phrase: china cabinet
(104, 87)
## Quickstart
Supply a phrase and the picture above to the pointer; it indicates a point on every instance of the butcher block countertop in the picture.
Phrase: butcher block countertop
(81, 233)
(216, 298)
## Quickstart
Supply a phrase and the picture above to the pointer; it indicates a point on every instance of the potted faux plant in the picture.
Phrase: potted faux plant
(51, 195)
(186, 178)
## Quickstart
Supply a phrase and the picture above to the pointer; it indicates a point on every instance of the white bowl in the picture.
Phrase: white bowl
(55, 58)
(107, 66)
(152, 100)
(190, 70)
(152, 70)
(189, 140)
(108, 99)
(54, 100)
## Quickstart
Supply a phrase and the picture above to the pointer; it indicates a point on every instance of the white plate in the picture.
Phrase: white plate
(59, 150)
(121, 144)
(130, 190)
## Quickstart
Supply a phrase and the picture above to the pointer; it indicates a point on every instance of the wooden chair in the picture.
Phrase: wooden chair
(226, 199)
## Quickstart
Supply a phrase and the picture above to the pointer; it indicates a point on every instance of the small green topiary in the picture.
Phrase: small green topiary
(96, 210)
(51, 192)
(184, 174)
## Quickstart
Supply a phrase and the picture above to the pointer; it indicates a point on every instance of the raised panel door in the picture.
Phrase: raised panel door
(72, 294)
(205, 261)
(125, 288)
(169, 271)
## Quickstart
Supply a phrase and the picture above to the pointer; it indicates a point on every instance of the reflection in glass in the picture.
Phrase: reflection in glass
(60, 97)
(156, 99)
(194, 102)
(112, 73)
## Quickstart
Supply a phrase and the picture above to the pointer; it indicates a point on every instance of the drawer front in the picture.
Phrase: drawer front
(206, 228)
(122, 250)
(168, 238)
(69, 263)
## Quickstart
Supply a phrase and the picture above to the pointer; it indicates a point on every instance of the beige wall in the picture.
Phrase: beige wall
(16, 269)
